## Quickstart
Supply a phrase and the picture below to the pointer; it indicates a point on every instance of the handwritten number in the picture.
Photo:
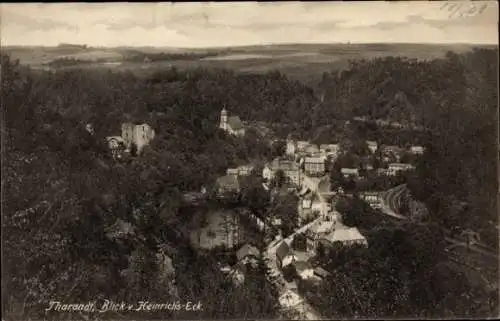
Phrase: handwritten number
(458, 9)
(483, 7)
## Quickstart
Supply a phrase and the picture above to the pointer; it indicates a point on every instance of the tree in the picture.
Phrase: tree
(278, 148)
(279, 179)
(254, 196)
(285, 209)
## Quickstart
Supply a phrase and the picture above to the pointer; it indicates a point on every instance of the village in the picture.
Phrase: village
(305, 172)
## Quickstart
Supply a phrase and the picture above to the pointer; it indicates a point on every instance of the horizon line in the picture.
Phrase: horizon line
(88, 46)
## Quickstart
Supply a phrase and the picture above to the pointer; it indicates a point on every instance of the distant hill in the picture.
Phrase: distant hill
(305, 62)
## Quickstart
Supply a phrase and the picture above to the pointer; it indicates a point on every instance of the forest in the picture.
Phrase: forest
(63, 190)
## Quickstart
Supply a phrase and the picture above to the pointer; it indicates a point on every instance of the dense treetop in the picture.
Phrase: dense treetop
(64, 190)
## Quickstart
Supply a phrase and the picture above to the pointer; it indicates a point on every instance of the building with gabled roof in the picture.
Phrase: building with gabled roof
(303, 269)
(116, 145)
(372, 145)
(346, 236)
(247, 252)
(232, 125)
(394, 168)
(417, 150)
(227, 183)
(284, 255)
(289, 168)
(349, 172)
(314, 166)
(321, 272)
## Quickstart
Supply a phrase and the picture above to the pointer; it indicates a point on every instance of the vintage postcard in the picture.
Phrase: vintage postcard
(250, 160)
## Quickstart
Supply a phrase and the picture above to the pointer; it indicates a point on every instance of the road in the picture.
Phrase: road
(303, 309)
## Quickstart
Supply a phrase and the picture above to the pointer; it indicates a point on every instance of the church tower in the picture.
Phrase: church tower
(223, 119)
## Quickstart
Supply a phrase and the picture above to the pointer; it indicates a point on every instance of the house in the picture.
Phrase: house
(307, 202)
(231, 125)
(291, 147)
(290, 299)
(349, 172)
(391, 153)
(284, 255)
(236, 273)
(193, 197)
(312, 149)
(316, 232)
(316, 204)
(302, 145)
(290, 169)
(90, 129)
(314, 166)
(137, 135)
(329, 149)
(303, 269)
(331, 215)
(383, 172)
(276, 221)
(247, 254)
(416, 150)
(372, 198)
(321, 272)
(243, 170)
(116, 145)
(372, 145)
(228, 183)
(394, 168)
(347, 237)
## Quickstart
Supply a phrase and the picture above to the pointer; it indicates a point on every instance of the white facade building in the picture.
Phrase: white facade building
(138, 135)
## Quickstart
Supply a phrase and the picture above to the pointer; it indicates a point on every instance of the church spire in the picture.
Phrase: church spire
(223, 118)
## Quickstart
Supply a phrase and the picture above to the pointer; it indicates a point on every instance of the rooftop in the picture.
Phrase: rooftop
(247, 250)
(285, 165)
(282, 250)
(343, 235)
(301, 265)
(321, 271)
(235, 122)
(349, 170)
(322, 227)
(314, 160)
(117, 138)
(228, 181)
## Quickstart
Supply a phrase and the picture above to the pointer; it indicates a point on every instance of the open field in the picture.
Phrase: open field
(305, 62)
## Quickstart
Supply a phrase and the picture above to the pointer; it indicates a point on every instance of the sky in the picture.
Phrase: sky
(198, 25)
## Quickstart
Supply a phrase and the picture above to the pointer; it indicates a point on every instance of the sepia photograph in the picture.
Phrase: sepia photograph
(250, 160)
